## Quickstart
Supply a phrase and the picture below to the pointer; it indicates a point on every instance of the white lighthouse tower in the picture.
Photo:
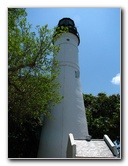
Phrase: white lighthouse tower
(69, 115)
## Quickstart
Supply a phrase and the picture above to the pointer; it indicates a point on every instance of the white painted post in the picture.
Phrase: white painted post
(111, 145)
(71, 147)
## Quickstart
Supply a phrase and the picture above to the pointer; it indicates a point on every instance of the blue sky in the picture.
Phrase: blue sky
(99, 49)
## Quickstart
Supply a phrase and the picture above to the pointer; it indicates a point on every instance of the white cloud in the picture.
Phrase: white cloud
(116, 80)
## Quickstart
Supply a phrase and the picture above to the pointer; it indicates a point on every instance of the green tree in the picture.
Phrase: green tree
(32, 85)
(103, 115)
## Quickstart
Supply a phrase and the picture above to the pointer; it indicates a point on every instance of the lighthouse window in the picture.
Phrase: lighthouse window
(68, 39)
(77, 74)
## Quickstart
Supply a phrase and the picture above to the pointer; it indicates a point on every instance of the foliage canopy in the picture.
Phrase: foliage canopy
(103, 115)
(32, 85)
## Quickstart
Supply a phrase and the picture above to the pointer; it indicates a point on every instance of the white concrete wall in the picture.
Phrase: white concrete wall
(70, 113)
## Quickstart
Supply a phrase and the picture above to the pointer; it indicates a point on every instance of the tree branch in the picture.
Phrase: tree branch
(10, 83)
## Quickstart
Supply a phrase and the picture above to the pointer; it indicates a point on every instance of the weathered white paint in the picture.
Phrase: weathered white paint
(71, 147)
(69, 115)
(111, 145)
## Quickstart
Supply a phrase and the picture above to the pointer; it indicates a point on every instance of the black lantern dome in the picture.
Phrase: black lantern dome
(67, 22)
